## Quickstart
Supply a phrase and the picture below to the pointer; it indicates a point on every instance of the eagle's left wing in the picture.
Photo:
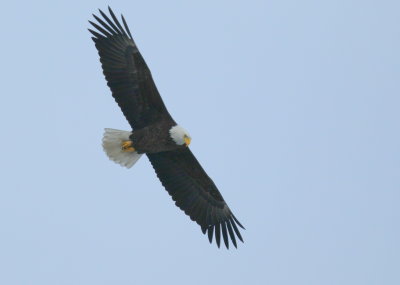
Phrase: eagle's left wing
(196, 194)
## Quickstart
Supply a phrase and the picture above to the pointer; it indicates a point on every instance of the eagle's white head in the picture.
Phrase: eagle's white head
(179, 135)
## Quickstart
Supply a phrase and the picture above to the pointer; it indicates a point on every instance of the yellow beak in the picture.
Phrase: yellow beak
(187, 141)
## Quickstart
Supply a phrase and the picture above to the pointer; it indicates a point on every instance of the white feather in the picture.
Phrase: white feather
(112, 145)
(178, 134)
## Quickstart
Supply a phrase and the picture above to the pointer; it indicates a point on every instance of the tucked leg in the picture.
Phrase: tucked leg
(127, 146)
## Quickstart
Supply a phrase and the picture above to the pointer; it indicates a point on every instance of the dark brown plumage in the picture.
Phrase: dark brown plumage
(134, 90)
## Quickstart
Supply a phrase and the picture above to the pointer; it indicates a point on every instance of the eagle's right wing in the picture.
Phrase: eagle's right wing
(126, 72)
(196, 194)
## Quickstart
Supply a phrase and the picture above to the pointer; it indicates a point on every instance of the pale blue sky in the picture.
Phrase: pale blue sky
(293, 107)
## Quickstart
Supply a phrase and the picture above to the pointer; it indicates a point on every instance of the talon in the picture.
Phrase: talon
(127, 146)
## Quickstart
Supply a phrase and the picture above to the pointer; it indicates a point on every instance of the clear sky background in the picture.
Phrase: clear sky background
(293, 107)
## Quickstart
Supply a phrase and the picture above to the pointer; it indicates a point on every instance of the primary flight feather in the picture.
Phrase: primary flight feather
(155, 133)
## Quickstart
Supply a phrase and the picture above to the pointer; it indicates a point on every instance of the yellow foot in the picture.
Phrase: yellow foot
(127, 146)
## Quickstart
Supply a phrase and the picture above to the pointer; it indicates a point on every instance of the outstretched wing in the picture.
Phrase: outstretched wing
(196, 194)
(126, 72)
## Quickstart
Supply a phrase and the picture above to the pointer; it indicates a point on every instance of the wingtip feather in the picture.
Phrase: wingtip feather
(210, 233)
(231, 234)
(236, 229)
(218, 234)
(225, 234)
(236, 220)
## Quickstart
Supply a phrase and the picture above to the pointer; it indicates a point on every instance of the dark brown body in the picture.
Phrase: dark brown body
(154, 138)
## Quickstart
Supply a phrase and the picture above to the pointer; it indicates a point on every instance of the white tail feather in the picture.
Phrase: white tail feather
(112, 142)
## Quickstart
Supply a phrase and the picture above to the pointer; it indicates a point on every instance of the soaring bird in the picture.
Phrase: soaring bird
(155, 133)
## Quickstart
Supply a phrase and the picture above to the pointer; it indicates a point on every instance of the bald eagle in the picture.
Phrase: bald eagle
(155, 133)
